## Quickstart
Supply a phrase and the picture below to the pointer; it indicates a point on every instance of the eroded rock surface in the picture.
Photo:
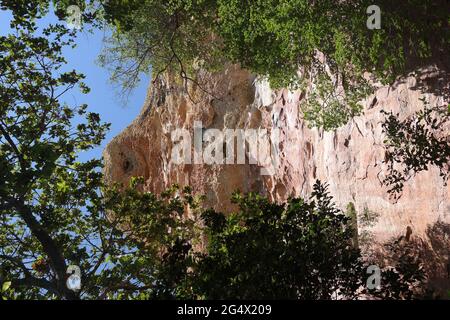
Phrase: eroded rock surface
(350, 159)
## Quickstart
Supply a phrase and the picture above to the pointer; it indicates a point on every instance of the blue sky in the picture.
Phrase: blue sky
(103, 97)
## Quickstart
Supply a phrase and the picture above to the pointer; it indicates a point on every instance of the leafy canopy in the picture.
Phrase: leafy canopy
(274, 38)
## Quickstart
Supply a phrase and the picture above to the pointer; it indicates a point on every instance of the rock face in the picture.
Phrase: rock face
(350, 159)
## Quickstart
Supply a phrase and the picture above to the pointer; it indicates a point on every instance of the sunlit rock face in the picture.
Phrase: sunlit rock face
(349, 159)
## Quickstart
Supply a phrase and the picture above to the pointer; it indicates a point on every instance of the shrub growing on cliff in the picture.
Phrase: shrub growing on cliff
(416, 143)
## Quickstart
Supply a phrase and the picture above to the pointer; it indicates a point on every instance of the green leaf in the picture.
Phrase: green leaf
(62, 186)
(6, 285)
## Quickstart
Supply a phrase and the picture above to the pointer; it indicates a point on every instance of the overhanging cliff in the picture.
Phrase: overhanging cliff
(349, 159)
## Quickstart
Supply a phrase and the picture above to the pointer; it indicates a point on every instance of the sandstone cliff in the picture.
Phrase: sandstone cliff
(350, 159)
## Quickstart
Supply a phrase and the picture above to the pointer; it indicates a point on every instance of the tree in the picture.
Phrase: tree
(416, 143)
(55, 211)
(37, 151)
(159, 36)
(274, 38)
(298, 250)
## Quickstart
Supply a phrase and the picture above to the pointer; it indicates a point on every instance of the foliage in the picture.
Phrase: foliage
(273, 38)
(26, 12)
(146, 233)
(42, 183)
(329, 107)
(416, 143)
(159, 36)
(55, 210)
(298, 250)
(403, 275)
